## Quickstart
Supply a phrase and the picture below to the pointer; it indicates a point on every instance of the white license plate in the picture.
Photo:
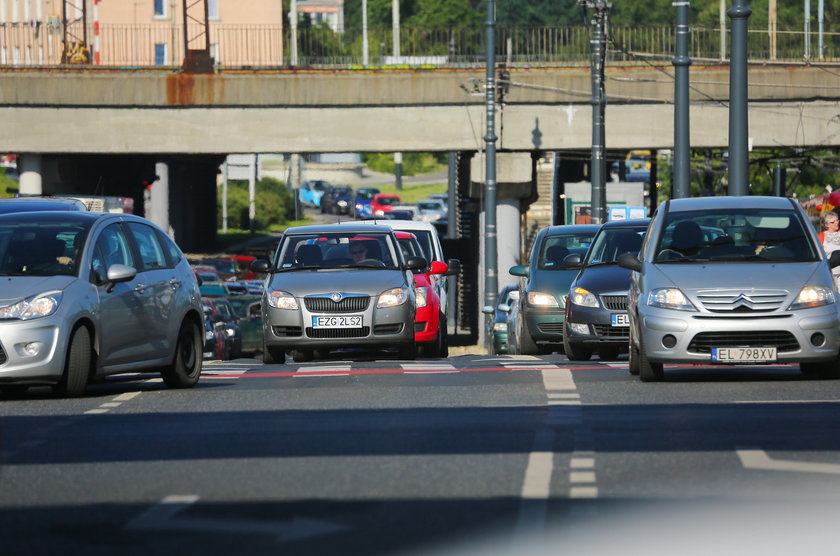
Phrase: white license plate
(337, 322)
(620, 319)
(744, 354)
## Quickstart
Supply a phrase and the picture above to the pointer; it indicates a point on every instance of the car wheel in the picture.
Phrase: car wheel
(575, 352)
(827, 370)
(633, 360)
(186, 367)
(272, 355)
(408, 351)
(527, 346)
(648, 370)
(444, 337)
(77, 366)
(302, 355)
(608, 354)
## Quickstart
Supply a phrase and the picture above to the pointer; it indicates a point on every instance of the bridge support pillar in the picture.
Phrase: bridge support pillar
(30, 168)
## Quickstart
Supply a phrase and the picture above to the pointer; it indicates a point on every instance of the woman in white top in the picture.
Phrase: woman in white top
(830, 239)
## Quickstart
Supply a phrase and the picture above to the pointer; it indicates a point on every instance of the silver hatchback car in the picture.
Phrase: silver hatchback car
(338, 286)
(84, 295)
(756, 291)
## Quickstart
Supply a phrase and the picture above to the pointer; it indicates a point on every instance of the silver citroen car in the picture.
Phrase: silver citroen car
(757, 291)
(84, 295)
(337, 286)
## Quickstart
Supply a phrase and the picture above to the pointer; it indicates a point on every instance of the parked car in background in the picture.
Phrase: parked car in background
(85, 295)
(497, 327)
(761, 294)
(596, 312)
(248, 309)
(337, 200)
(429, 322)
(382, 203)
(334, 286)
(232, 329)
(312, 191)
(362, 200)
(216, 342)
(430, 210)
(535, 322)
(27, 204)
(226, 267)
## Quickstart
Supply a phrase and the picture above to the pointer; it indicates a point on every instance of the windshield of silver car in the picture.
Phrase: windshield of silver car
(337, 250)
(744, 234)
(39, 248)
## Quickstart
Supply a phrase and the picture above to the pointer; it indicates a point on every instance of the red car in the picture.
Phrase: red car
(383, 202)
(429, 324)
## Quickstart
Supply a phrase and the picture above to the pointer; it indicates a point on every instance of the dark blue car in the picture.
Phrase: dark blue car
(361, 203)
(337, 200)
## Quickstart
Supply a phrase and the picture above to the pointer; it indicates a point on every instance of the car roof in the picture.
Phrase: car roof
(638, 223)
(725, 202)
(409, 225)
(572, 228)
(22, 204)
(349, 227)
(56, 216)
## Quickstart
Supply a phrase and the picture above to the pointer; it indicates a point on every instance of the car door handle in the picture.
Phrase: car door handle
(140, 288)
(174, 282)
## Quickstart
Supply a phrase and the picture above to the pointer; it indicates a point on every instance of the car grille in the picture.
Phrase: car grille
(742, 301)
(388, 328)
(329, 333)
(550, 327)
(782, 340)
(612, 332)
(323, 304)
(615, 302)
(286, 331)
(3, 356)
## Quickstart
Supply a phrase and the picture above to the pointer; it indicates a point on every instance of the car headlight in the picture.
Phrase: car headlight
(209, 335)
(282, 300)
(230, 332)
(342, 203)
(34, 307)
(542, 299)
(584, 298)
(670, 298)
(392, 298)
(813, 296)
(500, 326)
(422, 293)
(379, 212)
(358, 206)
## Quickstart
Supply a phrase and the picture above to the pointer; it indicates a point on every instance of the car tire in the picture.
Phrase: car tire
(77, 366)
(408, 351)
(648, 370)
(608, 354)
(527, 346)
(575, 352)
(302, 355)
(272, 355)
(186, 366)
(827, 370)
(444, 337)
(633, 360)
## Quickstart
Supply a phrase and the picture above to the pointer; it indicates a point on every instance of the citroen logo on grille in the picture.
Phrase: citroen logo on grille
(335, 296)
(742, 300)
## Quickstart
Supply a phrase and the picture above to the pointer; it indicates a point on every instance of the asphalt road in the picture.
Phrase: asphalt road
(366, 454)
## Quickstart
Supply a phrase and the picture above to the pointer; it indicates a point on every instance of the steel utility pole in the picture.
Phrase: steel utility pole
(598, 100)
(739, 161)
(491, 280)
(682, 144)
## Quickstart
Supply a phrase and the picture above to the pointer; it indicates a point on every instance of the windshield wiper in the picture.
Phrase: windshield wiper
(307, 267)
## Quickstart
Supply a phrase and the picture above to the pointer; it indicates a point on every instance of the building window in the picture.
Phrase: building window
(214, 53)
(160, 54)
(160, 8)
(212, 9)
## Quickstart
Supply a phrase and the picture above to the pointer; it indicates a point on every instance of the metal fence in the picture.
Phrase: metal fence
(268, 46)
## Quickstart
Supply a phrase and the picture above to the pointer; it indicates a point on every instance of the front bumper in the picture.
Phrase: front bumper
(804, 336)
(426, 323)
(599, 328)
(44, 367)
(545, 325)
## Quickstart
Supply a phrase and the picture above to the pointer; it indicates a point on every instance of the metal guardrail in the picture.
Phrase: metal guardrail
(30, 45)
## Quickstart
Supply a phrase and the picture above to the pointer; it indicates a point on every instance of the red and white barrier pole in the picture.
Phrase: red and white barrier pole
(96, 56)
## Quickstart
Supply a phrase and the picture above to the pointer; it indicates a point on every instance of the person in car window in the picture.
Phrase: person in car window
(830, 239)
(358, 251)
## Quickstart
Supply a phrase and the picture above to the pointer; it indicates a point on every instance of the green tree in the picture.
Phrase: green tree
(274, 204)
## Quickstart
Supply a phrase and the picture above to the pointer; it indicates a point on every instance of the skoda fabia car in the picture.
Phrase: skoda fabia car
(596, 312)
(338, 286)
(84, 295)
(759, 293)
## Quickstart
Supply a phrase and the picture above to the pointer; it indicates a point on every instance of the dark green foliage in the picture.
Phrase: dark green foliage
(274, 204)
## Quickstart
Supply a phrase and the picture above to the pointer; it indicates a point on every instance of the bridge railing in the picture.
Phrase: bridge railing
(267, 46)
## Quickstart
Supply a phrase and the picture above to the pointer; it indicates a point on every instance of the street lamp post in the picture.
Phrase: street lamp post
(491, 280)
(599, 101)
(682, 147)
(738, 98)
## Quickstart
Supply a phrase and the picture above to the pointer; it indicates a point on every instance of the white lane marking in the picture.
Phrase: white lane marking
(617, 365)
(426, 368)
(536, 487)
(111, 404)
(587, 492)
(758, 459)
(164, 516)
(582, 477)
(557, 379)
(562, 395)
(96, 411)
(126, 396)
(582, 463)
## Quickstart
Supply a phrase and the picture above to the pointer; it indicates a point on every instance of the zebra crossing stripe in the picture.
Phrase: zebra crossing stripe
(426, 368)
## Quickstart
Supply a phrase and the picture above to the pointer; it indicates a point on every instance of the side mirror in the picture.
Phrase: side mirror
(834, 259)
(487, 310)
(119, 273)
(514, 295)
(438, 267)
(520, 270)
(261, 266)
(573, 261)
(415, 263)
(631, 262)
(454, 267)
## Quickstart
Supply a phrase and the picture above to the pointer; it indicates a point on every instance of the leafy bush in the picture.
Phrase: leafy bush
(274, 204)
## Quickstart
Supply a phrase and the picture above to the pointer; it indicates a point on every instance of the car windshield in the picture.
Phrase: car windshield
(366, 194)
(313, 251)
(410, 247)
(424, 237)
(222, 265)
(555, 248)
(33, 248)
(429, 205)
(611, 243)
(742, 234)
(388, 200)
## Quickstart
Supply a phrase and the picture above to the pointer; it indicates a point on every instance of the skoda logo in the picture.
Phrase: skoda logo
(335, 296)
